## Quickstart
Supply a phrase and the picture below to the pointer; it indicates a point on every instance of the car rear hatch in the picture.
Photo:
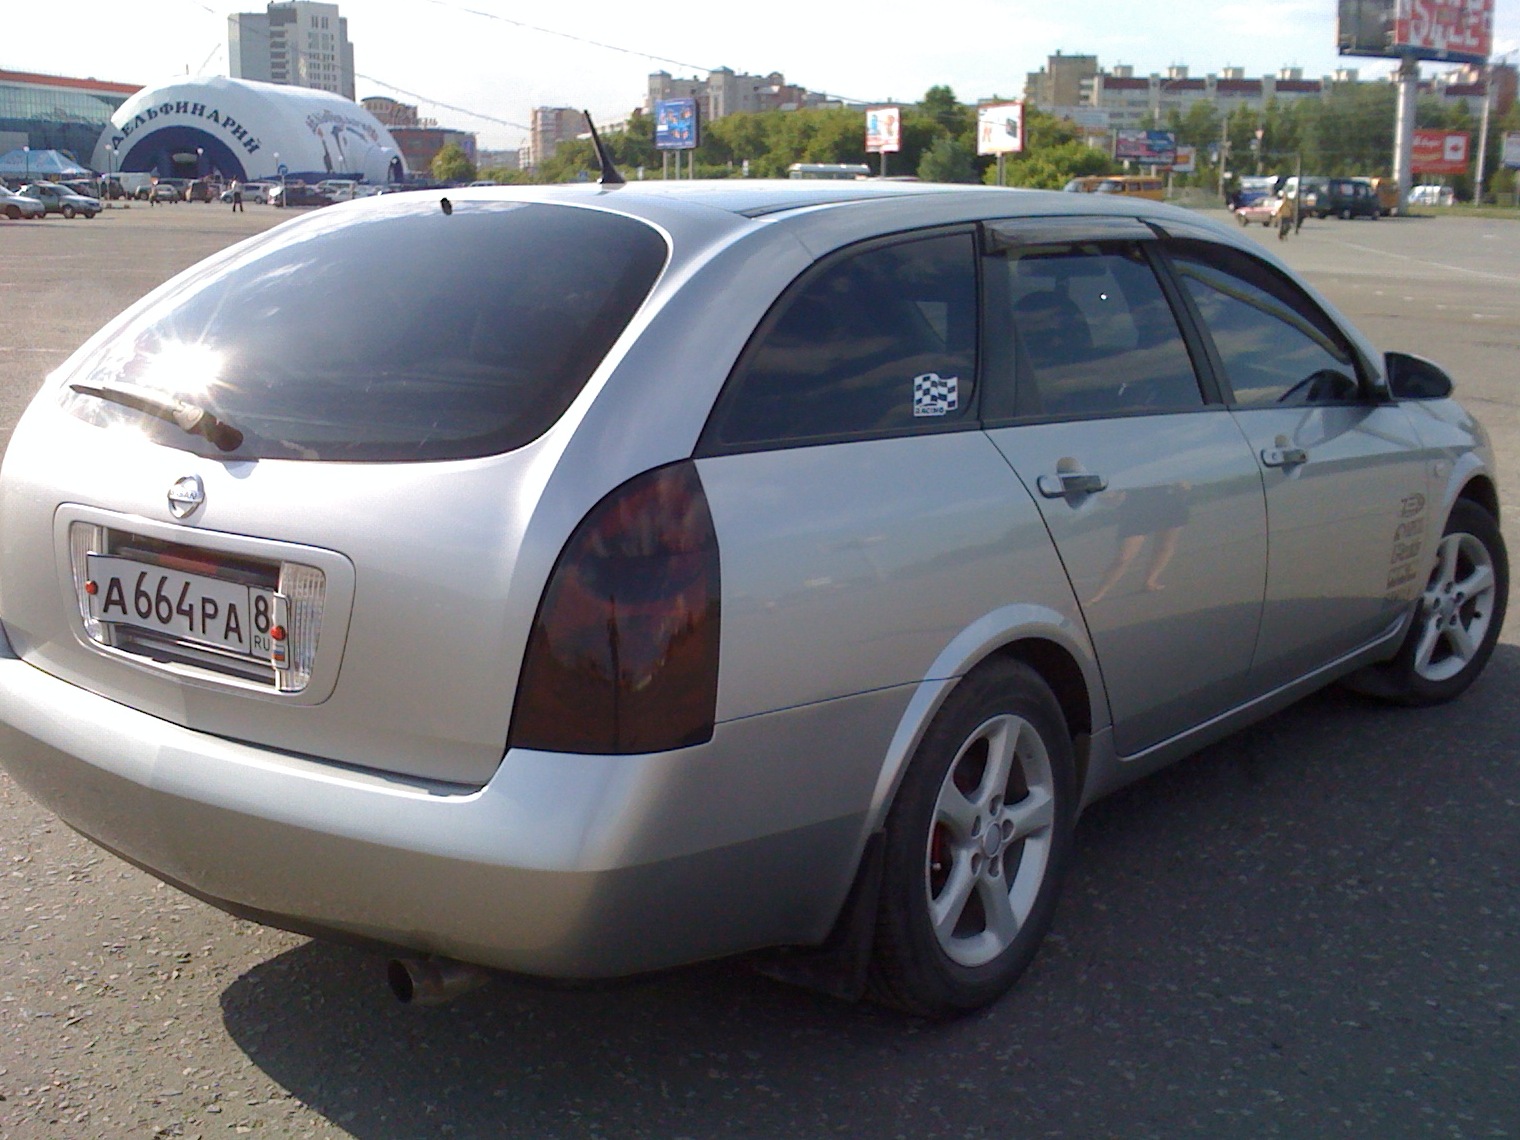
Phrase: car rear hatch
(280, 500)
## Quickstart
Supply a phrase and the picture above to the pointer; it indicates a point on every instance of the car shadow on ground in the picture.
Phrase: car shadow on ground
(1288, 925)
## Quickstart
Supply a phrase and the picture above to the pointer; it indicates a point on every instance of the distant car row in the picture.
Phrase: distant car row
(38, 199)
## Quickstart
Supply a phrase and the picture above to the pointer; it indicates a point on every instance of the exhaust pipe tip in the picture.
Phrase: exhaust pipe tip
(433, 981)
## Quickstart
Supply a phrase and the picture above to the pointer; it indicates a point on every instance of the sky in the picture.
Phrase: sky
(481, 65)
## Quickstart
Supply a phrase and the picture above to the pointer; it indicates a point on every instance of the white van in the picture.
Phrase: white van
(1432, 195)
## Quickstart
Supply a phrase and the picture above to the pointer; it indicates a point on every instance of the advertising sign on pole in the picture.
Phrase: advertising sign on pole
(1151, 148)
(1186, 160)
(1512, 150)
(677, 124)
(1460, 31)
(1000, 128)
(1439, 152)
(883, 130)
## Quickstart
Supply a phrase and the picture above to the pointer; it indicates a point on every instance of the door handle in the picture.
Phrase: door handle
(1066, 483)
(1283, 456)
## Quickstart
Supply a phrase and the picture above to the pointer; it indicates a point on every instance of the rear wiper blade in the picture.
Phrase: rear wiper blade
(182, 414)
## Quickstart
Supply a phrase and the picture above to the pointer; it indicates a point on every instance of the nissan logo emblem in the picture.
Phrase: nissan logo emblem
(185, 495)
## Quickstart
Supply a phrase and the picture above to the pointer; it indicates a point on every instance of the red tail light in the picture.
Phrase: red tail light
(623, 656)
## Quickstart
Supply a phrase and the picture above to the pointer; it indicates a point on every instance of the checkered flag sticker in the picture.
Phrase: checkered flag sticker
(935, 395)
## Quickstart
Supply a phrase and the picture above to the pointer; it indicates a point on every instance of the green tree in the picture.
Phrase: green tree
(451, 164)
(947, 160)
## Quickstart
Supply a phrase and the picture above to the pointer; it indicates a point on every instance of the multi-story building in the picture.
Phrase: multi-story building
(53, 112)
(1074, 87)
(1131, 101)
(727, 92)
(1465, 85)
(551, 126)
(1062, 81)
(299, 43)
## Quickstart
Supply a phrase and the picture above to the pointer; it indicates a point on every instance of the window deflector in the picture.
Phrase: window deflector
(1019, 233)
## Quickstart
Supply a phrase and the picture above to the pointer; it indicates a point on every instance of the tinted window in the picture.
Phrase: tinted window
(1091, 333)
(876, 341)
(405, 336)
(1276, 345)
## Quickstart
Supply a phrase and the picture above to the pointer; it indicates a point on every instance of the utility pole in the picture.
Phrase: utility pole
(1403, 132)
(1488, 85)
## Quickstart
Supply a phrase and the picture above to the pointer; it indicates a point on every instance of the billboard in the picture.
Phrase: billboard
(1439, 152)
(1512, 149)
(1461, 31)
(1154, 148)
(1186, 160)
(883, 130)
(677, 124)
(1000, 128)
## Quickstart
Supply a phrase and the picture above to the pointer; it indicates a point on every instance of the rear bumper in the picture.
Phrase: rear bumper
(567, 866)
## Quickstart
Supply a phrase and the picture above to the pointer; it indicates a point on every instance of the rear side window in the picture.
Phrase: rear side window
(417, 336)
(1277, 346)
(877, 341)
(1085, 329)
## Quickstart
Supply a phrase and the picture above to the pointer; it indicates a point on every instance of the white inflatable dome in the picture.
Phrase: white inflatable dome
(237, 128)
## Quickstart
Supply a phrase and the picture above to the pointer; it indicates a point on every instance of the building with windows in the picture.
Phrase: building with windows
(727, 92)
(551, 126)
(1074, 87)
(53, 112)
(296, 43)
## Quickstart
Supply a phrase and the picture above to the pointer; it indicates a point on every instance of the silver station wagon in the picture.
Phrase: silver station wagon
(583, 581)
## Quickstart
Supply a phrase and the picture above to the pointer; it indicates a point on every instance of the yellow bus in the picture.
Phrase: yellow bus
(1128, 185)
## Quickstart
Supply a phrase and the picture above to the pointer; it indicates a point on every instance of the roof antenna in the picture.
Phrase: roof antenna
(610, 175)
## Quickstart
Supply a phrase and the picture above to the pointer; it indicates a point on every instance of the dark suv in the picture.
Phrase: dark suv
(1348, 198)
(201, 191)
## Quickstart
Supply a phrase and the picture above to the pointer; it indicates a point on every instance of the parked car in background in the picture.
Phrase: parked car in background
(1432, 195)
(130, 184)
(57, 199)
(1348, 198)
(17, 206)
(202, 190)
(584, 583)
(338, 189)
(166, 189)
(297, 194)
(252, 192)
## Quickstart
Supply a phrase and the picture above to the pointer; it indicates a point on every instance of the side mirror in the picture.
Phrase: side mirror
(1415, 378)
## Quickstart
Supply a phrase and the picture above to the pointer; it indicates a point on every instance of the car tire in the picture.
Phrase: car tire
(68, 212)
(12, 213)
(977, 845)
(1456, 620)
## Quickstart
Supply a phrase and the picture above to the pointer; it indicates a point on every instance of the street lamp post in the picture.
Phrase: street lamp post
(27, 151)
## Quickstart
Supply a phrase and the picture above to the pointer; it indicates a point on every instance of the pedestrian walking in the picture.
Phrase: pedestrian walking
(237, 197)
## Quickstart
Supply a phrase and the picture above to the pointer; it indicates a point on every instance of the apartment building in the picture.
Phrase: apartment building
(298, 43)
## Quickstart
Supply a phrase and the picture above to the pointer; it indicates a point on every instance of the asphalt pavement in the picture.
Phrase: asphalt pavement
(1309, 930)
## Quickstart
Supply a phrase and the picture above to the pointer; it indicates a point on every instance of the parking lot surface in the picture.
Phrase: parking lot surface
(1311, 929)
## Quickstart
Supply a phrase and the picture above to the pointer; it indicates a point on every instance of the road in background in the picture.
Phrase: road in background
(1309, 930)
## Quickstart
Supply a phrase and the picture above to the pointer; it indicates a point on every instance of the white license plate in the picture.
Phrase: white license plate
(247, 620)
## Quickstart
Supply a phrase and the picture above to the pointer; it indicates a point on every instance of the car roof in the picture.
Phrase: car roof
(760, 198)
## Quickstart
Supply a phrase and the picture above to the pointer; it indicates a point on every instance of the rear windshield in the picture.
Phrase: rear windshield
(388, 337)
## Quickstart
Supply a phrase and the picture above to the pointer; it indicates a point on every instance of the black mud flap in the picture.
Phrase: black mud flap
(840, 965)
